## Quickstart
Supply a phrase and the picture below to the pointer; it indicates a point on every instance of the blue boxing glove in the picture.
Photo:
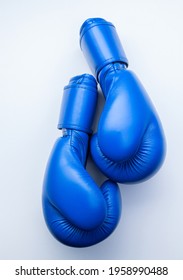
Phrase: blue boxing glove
(77, 212)
(129, 145)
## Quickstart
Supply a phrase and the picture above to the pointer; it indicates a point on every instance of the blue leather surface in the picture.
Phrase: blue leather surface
(77, 211)
(129, 145)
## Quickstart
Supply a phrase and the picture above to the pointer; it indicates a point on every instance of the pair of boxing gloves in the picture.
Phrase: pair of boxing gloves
(128, 147)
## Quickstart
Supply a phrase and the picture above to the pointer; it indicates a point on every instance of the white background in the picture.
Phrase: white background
(39, 52)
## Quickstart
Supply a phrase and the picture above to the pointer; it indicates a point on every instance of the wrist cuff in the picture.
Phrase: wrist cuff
(78, 104)
(100, 44)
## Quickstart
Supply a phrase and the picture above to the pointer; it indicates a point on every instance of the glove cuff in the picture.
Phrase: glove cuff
(78, 104)
(100, 44)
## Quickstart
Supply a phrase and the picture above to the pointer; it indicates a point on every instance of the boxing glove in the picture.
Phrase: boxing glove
(129, 145)
(77, 212)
